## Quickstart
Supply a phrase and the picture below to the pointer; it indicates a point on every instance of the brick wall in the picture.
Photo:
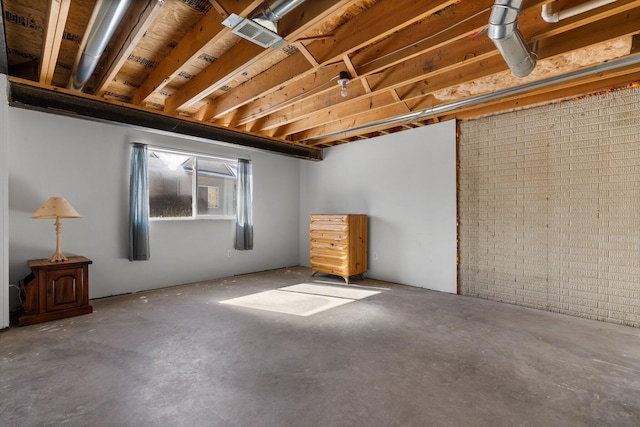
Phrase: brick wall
(549, 207)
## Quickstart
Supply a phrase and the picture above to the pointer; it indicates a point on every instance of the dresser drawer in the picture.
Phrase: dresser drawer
(329, 218)
(322, 263)
(328, 236)
(328, 246)
(335, 223)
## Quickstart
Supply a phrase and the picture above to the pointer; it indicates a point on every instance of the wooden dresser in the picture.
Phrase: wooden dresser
(56, 290)
(338, 244)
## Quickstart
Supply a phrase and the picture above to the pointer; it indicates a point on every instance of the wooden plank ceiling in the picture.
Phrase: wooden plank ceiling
(177, 60)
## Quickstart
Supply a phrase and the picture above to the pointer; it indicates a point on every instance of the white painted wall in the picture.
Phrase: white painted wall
(88, 164)
(406, 183)
(4, 207)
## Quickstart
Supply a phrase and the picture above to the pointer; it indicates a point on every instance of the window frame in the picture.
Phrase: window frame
(195, 216)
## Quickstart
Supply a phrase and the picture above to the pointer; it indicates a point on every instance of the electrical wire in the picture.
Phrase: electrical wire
(430, 37)
(19, 293)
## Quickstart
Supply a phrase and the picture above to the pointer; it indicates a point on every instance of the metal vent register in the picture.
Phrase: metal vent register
(253, 31)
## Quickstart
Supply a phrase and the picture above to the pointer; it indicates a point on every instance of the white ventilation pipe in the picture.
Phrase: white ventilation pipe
(104, 20)
(549, 16)
(504, 31)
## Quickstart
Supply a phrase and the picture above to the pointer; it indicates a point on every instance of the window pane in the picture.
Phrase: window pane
(170, 185)
(216, 187)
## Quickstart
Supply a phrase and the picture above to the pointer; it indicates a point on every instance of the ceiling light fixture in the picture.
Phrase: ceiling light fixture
(343, 79)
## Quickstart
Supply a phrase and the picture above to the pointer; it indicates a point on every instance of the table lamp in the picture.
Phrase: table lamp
(56, 207)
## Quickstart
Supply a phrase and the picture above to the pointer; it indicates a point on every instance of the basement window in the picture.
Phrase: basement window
(188, 186)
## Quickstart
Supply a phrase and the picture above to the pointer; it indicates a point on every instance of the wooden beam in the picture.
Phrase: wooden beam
(345, 127)
(594, 82)
(136, 22)
(215, 76)
(377, 101)
(206, 32)
(25, 94)
(220, 8)
(240, 96)
(395, 78)
(303, 50)
(352, 70)
(470, 13)
(435, 32)
(625, 24)
(445, 67)
(239, 58)
(56, 19)
(323, 82)
(376, 23)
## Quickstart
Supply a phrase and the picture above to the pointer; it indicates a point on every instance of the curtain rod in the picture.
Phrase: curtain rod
(187, 153)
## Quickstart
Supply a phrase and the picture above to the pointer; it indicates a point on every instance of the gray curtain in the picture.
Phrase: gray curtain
(139, 204)
(244, 215)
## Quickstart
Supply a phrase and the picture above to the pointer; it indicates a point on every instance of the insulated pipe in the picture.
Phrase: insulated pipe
(553, 17)
(104, 20)
(504, 31)
(271, 15)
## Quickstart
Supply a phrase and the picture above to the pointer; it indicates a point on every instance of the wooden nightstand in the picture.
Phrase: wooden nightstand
(56, 290)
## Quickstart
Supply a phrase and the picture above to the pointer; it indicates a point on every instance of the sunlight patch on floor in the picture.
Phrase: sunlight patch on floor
(303, 299)
(331, 291)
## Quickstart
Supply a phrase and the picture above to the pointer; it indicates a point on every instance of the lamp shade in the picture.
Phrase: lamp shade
(55, 207)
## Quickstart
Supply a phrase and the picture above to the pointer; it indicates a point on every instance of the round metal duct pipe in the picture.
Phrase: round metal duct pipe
(272, 14)
(504, 31)
(104, 20)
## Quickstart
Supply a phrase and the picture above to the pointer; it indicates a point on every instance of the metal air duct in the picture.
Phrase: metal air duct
(271, 15)
(104, 20)
(504, 31)
(262, 29)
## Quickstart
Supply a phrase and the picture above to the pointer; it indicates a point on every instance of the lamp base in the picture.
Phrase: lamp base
(57, 257)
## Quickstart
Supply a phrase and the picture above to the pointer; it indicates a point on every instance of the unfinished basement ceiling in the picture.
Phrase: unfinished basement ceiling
(175, 64)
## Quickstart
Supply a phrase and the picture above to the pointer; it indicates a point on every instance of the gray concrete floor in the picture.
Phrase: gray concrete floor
(404, 357)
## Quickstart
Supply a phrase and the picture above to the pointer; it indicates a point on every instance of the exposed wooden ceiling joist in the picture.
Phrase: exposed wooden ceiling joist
(179, 61)
(208, 31)
(573, 40)
(135, 24)
(244, 54)
(56, 19)
(368, 27)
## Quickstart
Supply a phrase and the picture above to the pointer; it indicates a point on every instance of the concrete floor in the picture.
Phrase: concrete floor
(404, 357)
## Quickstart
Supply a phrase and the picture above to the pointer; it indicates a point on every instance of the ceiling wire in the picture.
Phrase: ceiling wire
(429, 38)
